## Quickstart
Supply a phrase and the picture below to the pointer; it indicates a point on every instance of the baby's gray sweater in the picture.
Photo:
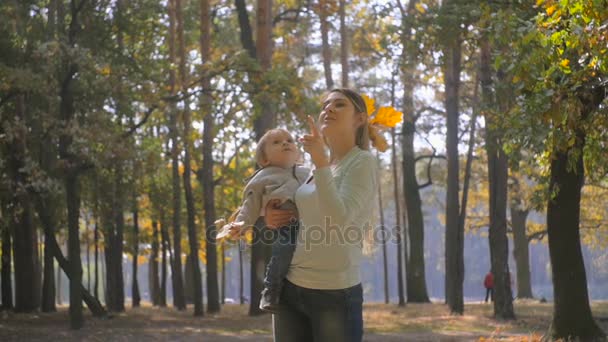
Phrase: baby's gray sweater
(270, 183)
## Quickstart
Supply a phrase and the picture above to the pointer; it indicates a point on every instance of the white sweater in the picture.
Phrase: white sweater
(335, 209)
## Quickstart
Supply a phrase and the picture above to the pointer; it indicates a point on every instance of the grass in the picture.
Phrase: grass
(414, 322)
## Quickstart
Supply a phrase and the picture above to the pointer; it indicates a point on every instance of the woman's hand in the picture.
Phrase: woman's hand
(314, 145)
(276, 217)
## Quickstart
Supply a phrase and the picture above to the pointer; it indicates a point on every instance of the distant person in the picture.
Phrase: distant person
(488, 283)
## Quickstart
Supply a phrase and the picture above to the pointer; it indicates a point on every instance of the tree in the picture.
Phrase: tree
(497, 179)
(179, 300)
(323, 14)
(416, 278)
(454, 240)
(562, 94)
(206, 173)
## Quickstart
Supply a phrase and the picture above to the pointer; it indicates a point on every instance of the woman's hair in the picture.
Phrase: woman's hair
(362, 135)
(260, 150)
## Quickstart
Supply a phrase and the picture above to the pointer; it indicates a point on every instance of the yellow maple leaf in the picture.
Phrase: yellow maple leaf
(369, 103)
(420, 8)
(387, 117)
(105, 71)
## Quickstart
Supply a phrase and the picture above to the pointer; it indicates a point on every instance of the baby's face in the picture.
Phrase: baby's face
(281, 150)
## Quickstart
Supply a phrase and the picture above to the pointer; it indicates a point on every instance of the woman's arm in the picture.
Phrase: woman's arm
(275, 217)
(356, 192)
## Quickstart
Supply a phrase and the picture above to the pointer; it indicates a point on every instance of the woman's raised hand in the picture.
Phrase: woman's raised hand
(275, 217)
(314, 145)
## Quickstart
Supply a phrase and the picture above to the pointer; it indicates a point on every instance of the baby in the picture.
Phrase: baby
(278, 179)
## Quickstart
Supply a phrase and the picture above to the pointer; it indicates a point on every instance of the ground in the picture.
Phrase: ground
(415, 322)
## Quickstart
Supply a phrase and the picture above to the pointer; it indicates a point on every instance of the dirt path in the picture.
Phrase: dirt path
(386, 323)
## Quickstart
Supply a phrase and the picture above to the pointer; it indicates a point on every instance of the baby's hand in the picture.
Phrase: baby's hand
(230, 230)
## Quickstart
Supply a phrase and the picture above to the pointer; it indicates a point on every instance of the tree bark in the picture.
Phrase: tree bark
(207, 180)
(383, 230)
(260, 250)
(197, 290)
(399, 227)
(42, 208)
(415, 277)
(454, 240)
(343, 43)
(136, 298)
(571, 311)
(153, 271)
(223, 284)
(326, 49)
(48, 284)
(166, 248)
(25, 250)
(179, 300)
(497, 179)
(96, 243)
(7, 286)
(572, 317)
(521, 253)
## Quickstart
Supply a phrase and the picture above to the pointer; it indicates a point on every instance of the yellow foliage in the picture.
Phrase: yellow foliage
(420, 8)
(370, 104)
(105, 71)
(551, 9)
(387, 117)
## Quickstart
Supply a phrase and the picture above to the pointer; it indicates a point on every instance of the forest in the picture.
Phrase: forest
(128, 129)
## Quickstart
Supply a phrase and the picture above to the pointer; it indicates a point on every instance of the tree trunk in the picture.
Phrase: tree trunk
(73, 202)
(197, 289)
(415, 277)
(326, 50)
(96, 243)
(166, 248)
(179, 300)
(571, 312)
(497, 179)
(454, 239)
(88, 254)
(7, 286)
(241, 275)
(343, 43)
(399, 229)
(92, 302)
(153, 271)
(521, 252)
(135, 297)
(384, 241)
(59, 300)
(261, 251)
(117, 242)
(223, 284)
(207, 181)
(24, 242)
(48, 284)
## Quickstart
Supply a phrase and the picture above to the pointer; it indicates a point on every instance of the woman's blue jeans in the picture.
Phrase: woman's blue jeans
(310, 315)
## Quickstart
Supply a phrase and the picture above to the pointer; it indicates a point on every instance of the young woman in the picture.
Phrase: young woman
(322, 297)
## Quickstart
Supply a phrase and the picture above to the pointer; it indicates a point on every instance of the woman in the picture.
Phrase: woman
(322, 297)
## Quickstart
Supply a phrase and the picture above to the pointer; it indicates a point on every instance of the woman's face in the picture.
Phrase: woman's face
(338, 117)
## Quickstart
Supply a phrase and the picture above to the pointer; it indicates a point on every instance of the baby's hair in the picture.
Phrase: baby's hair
(260, 153)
